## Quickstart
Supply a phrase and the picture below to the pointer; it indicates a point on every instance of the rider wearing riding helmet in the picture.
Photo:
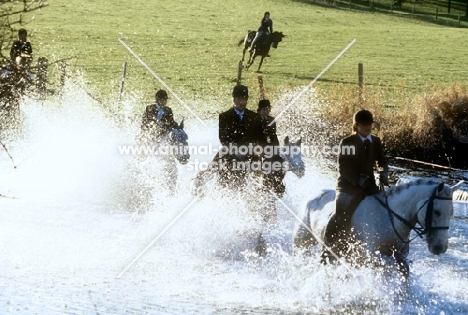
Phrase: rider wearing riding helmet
(158, 119)
(266, 27)
(20, 59)
(271, 152)
(21, 50)
(357, 158)
(239, 129)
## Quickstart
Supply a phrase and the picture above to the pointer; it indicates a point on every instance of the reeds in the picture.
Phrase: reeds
(432, 126)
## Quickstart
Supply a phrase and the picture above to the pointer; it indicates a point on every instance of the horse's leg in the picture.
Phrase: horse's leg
(260, 64)
(246, 46)
(251, 60)
(169, 175)
(198, 185)
(402, 264)
(260, 247)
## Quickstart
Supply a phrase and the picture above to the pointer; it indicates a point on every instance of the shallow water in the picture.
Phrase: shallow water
(83, 213)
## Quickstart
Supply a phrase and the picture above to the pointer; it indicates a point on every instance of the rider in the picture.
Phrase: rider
(271, 151)
(20, 55)
(158, 119)
(266, 27)
(239, 129)
(356, 180)
(21, 50)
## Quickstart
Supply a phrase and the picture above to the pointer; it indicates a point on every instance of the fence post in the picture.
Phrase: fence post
(122, 80)
(239, 72)
(262, 88)
(63, 74)
(361, 81)
(437, 13)
(41, 76)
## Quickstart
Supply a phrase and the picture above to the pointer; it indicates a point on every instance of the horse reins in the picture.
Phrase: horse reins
(420, 231)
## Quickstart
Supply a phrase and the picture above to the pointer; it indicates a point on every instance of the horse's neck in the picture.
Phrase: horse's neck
(407, 203)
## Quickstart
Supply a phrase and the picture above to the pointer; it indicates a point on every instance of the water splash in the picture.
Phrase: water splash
(84, 212)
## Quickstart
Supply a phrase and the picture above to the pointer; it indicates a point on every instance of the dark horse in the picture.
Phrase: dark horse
(262, 46)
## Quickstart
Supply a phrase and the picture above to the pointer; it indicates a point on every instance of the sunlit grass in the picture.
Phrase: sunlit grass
(193, 48)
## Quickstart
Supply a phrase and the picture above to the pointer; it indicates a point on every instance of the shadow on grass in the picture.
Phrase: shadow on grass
(434, 12)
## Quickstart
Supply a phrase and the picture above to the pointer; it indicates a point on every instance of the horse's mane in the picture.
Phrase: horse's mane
(418, 182)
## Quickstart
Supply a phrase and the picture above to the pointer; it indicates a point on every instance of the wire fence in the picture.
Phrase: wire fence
(448, 12)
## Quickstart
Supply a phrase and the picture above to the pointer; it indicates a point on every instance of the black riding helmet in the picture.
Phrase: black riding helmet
(263, 104)
(363, 117)
(161, 94)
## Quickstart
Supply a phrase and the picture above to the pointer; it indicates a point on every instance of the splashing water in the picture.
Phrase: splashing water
(83, 212)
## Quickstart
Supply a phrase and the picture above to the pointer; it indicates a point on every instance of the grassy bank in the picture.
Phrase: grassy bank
(193, 47)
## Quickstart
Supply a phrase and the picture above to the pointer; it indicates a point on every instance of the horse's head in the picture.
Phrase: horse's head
(291, 153)
(435, 219)
(178, 141)
(275, 38)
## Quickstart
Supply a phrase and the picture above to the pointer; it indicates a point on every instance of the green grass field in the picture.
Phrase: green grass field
(192, 46)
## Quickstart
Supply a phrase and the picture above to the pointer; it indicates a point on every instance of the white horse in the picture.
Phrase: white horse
(382, 223)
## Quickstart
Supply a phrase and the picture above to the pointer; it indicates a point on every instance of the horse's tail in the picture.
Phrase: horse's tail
(245, 39)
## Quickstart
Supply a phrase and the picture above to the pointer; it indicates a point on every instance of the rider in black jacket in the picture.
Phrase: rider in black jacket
(21, 50)
(266, 27)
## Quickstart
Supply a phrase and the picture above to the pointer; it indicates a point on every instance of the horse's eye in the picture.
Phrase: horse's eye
(437, 213)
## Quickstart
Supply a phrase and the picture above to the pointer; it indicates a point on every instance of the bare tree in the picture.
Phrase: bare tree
(15, 14)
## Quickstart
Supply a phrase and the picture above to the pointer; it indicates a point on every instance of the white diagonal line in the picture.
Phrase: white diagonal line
(312, 232)
(156, 238)
(313, 81)
(162, 82)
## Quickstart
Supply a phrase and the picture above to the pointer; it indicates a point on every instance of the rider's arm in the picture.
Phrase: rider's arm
(28, 49)
(223, 135)
(273, 137)
(14, 50)
(382, 161)
(170, 118)
(148, 117)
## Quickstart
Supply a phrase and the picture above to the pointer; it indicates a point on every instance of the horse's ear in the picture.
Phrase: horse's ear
(299, 142)
(286, 140)
(181, 125)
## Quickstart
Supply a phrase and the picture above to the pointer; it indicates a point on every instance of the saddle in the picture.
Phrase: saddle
(261, 40)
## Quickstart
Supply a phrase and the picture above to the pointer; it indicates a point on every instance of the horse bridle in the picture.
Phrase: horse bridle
(420, 231)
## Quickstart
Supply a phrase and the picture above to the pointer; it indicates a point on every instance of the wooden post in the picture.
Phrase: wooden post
(63, 74)
(41, 76)
(391, 7)
(239, 72)
(361, 82)
(437, 13)
(261, 87)
(122, 80)
(449, 5)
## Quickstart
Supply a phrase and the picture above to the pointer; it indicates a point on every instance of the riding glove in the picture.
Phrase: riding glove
(363, 182)
(384, 179)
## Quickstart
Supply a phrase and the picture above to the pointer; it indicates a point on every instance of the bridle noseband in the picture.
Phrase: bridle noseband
(420, 231)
